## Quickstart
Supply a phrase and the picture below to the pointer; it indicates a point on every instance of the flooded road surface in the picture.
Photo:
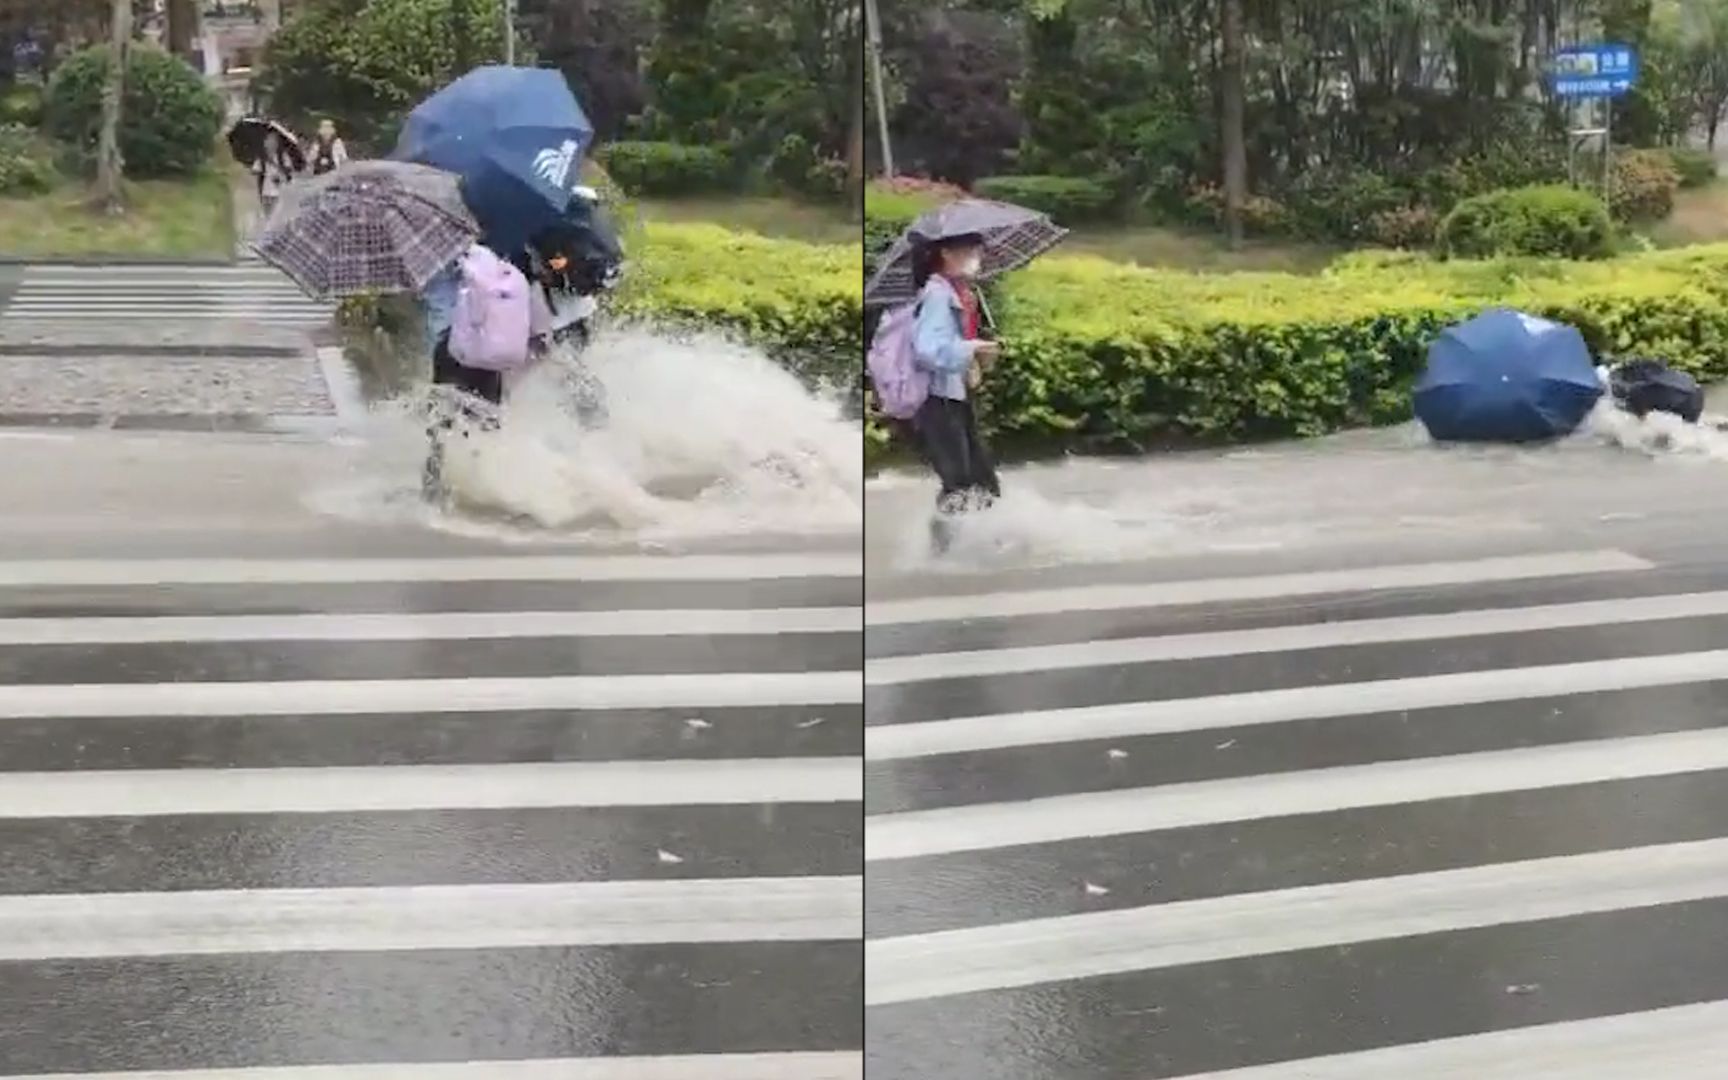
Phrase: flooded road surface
(1338, 761)
(359, 798)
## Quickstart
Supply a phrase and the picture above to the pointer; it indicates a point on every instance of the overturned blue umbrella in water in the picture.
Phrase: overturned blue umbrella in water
(1505, 376)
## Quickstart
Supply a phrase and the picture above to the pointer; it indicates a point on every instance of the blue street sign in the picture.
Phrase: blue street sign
(1594, 71)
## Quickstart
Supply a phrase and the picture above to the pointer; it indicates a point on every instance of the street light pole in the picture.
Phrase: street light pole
(874, 28)
(510, 32)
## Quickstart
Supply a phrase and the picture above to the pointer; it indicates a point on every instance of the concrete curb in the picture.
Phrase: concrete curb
(116, 260)
(262, 352)
(181, 423)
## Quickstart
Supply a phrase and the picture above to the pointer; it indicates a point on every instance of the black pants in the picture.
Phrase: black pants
(948, 437)
(469, 383)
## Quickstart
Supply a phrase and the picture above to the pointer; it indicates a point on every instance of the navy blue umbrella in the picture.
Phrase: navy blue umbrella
(1506, 377)
(515, 136)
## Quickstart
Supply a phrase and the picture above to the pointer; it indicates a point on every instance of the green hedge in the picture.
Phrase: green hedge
(1067, 199)
(663, 168)
(802, 303)
(1550, 220)
(1100, 355)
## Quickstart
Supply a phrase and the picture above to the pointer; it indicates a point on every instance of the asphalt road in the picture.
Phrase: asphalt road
(1437, 801)
(357, 802)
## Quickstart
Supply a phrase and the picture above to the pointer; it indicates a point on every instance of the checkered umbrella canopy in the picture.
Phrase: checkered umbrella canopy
(370, 226)
(1013, 236)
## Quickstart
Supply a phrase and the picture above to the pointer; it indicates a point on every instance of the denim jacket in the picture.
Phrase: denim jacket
(939, 346)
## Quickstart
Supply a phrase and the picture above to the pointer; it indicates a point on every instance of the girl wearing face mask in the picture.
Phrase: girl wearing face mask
(947, 343)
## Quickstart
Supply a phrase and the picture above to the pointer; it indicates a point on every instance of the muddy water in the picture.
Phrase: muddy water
(1379, 487)
(704, 438)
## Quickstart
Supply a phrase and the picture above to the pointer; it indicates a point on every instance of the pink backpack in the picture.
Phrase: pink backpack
(901, 385)
(490, 326)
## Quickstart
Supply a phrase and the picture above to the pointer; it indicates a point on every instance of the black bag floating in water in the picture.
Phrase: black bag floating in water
(1642, 387)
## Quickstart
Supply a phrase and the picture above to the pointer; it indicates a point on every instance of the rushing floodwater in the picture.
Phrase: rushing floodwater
(704, 438)
(1372, 486)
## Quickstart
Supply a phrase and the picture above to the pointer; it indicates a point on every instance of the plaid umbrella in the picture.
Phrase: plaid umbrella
(370, 226)
(1013, 236)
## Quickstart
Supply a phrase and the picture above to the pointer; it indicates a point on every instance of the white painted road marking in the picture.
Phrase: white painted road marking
(1119, 597)
(837, 1065)
(1128, 719)
(151, 792)
(920, 966)
(924, 667)
(351, 696)
(96, 572)
(1682, 1043)
(985, 826)
(434, 626)
(489, 916)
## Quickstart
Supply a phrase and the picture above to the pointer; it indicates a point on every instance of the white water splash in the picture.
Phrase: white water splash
(704, 438)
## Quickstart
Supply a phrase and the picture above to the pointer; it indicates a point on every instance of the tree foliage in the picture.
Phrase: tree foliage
(1435, 98)
(366, 65)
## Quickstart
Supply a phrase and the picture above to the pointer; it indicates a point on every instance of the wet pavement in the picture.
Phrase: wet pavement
(1429, 781)
(357, 801)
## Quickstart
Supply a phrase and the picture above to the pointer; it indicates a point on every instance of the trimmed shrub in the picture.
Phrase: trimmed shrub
(1067, 199)
(1404, 228)
(802, 303)
(1642, 186)
(1096, 353)
(1550, 221)
(663, 168)
(1339, 203)
(22, 104)
(1695, 168)
(1262, 215)
(887, 214)
(171, 116)
(26, 165)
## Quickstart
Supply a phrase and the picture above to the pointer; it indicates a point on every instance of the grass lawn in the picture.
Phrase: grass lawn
(786, 219)
(169, 218)
(1188, 249)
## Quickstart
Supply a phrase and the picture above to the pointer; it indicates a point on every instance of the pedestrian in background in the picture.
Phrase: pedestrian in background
(328, 151)
(273, 170)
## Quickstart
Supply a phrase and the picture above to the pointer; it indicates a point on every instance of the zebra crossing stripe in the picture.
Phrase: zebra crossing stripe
(790, 1065)
(51, 573)
(353, 696)
(1355, 632)
(434, 626)
(1118, 597)
(921, 966)
(490, 916)
(1128, 719)
(1679, 1043)
(985, 826)
(155, 792)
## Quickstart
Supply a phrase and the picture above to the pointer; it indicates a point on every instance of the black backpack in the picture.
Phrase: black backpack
(1642, 387)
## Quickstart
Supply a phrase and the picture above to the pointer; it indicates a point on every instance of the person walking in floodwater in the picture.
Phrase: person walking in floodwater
(947, 343)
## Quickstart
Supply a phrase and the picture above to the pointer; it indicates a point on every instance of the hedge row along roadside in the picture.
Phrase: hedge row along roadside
(802, 303)
(1097, 355)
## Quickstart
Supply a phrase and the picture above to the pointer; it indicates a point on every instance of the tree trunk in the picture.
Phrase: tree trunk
(1232, 107)
(182, 18)
(461, 30)
(109, 166)
(855, 135)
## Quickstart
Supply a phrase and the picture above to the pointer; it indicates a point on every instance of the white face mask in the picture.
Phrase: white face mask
(972, 267)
